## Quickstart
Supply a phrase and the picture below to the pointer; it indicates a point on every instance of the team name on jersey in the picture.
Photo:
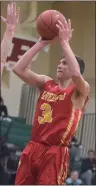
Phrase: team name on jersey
(51, 97)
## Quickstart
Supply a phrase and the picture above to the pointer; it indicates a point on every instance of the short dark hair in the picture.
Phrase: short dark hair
(91, 151)
(80, 62)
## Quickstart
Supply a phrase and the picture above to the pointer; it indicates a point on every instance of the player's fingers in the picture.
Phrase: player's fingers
(60, 24)
(65, 23)
(69, 24)
(70, 33)
(8, 9)
(18, 13)
(14, 8)
(11, 8)
(72, 30)
(3, 19)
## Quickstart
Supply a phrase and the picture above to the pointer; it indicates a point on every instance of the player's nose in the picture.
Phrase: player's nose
(59, 66)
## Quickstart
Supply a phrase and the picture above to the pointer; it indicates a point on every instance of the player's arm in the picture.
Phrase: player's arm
(5, 46)
(65, 33)
(11, 22)
(21, 67)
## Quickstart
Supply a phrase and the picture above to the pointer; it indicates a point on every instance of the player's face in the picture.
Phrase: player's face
(91, 155)
(63, 71)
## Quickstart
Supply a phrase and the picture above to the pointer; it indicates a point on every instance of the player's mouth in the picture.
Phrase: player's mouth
(59, 71)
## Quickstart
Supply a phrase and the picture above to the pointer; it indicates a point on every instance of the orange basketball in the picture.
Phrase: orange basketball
(46, 23)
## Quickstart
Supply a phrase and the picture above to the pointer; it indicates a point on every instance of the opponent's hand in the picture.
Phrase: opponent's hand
(65, 31)
(12, 16)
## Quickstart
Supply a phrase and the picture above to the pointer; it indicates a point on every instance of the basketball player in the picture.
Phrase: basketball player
(11, 22)
(58, 112)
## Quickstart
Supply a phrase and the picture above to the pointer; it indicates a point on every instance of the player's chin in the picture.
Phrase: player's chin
(62, 77)
(59, 76)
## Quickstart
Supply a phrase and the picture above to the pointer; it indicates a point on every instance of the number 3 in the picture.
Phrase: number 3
(46, 114)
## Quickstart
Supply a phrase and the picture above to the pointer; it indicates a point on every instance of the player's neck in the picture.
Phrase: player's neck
(65, 84)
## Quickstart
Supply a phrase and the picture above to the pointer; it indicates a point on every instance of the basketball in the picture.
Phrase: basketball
(46, 23)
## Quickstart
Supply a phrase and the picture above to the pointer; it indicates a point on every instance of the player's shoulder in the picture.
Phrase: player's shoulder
(48, 82)
(47, 78)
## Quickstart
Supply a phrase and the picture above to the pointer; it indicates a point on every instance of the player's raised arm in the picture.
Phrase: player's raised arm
(11, 22)
(21, 67)
(65, 33)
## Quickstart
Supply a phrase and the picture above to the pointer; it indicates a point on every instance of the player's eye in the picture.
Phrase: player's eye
(64, 62)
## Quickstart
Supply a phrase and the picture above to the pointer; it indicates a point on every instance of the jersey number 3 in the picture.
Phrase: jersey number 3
(46, 114)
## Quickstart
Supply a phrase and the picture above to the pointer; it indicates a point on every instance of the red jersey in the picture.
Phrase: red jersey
(55, 120)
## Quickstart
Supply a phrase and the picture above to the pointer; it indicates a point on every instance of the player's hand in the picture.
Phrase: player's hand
(65, 31)
(12, 16)
(46, 42)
